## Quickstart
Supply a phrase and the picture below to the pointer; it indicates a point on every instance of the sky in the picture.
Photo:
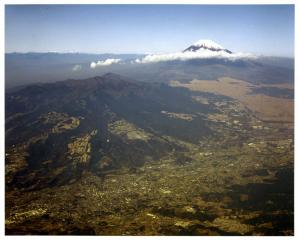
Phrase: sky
(258, 29)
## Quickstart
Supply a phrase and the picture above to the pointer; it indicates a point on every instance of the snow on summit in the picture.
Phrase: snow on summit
(201, 49)
(208, 44)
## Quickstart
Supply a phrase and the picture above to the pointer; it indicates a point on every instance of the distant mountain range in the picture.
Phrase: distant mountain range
(204, 59)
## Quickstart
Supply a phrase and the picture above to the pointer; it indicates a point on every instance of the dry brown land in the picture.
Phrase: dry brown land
(264, 107)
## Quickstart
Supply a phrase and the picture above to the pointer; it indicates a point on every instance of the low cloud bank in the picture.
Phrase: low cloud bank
(201, 54)
(106, 62)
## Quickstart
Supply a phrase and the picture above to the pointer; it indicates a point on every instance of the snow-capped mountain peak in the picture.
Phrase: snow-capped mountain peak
(202, 49)
(206, 45)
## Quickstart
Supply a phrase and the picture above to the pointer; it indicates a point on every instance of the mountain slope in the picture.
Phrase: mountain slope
(54, 132)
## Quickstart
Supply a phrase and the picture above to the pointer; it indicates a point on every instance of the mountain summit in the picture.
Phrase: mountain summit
(203, 45)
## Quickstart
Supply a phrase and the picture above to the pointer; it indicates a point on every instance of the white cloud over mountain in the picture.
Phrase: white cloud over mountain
(106, 62)
(201, 49)
(199, 54)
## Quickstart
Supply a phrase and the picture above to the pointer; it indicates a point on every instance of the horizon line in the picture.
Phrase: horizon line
(107, 53)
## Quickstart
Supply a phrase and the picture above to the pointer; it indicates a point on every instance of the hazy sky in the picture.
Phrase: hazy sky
(262, 29)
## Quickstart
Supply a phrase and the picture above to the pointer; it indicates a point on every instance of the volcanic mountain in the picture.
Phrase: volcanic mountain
(206, 45)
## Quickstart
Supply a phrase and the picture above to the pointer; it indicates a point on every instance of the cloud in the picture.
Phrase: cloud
(77, 68)
(106, 62)
(200, 54)
(93, 65)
